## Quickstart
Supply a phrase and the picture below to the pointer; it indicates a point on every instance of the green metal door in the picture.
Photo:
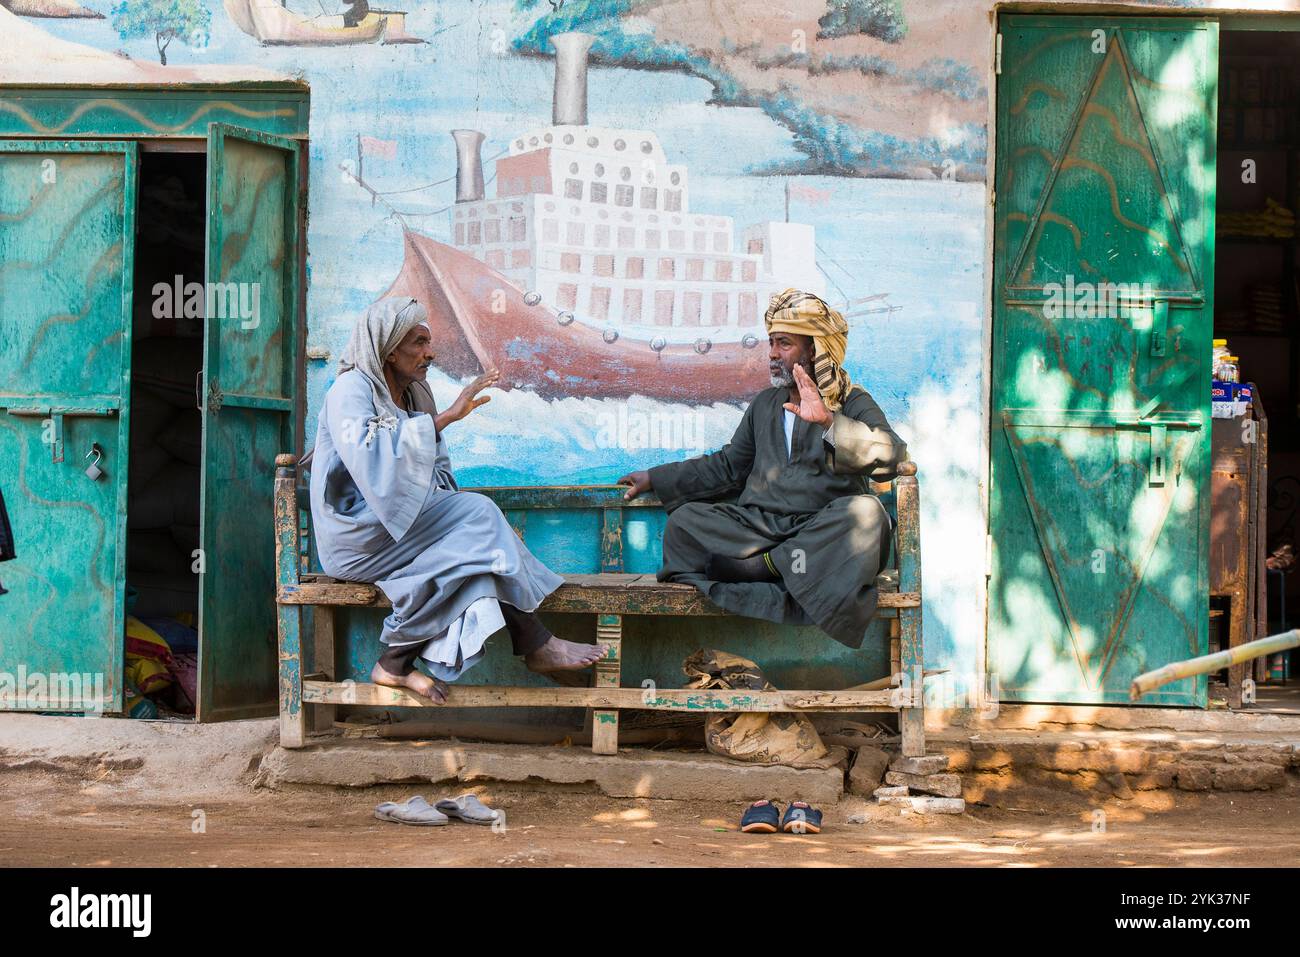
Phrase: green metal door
(250, 378)
(67, 231)
(1103, 273)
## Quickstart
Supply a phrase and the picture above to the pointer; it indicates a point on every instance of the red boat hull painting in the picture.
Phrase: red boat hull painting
(480, 320)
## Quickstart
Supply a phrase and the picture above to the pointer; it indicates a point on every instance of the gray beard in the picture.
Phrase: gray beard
(783, 381)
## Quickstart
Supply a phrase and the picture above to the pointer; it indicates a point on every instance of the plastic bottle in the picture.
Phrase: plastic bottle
(1229, 370)
(1216, 357)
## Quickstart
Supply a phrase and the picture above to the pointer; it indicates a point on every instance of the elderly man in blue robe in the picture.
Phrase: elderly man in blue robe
(387, 510)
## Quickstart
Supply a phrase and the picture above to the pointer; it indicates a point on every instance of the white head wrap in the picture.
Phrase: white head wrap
(377, 333)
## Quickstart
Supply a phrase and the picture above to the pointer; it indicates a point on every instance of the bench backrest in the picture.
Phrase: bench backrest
(518, 502)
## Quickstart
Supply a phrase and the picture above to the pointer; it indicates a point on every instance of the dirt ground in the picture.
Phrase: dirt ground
(48, 817)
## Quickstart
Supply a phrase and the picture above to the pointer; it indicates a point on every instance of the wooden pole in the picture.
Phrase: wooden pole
(1146, 683)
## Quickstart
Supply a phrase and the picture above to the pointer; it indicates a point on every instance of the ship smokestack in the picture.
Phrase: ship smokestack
(469, 165)
(569, 107)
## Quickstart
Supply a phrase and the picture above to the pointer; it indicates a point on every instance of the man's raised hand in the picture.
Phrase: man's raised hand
(811, 408)
(467, 402)
(639, 482)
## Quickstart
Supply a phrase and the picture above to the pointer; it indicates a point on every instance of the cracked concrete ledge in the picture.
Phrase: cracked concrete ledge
(167, 757)
(640, 774)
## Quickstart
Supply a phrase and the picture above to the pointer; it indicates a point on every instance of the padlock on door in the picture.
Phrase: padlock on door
(93, 471)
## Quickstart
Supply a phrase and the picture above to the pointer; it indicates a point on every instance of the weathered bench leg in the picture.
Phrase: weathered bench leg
(911, 717)
(609, 674)
(293, 719)
(322, 662)
(895, 648)
(293, 726)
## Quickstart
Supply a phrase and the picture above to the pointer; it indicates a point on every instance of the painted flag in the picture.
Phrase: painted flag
(384, 149)
(809, 194)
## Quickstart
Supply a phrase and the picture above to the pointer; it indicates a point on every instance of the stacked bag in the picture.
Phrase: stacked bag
(161, 666)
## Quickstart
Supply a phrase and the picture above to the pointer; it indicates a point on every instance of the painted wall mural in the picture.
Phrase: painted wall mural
(598, 196)
(589, 274)
(50, 8)
(276, 24)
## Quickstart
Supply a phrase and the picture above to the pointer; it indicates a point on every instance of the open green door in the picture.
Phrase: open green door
(250, 378)
(67, 233)
(1103, 274)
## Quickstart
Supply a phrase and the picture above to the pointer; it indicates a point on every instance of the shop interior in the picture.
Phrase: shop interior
(1257, 354)
(166, 438)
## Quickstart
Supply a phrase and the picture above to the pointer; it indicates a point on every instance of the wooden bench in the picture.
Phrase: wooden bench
(309, 692)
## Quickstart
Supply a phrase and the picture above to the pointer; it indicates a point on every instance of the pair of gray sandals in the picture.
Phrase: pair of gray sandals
(419, 812)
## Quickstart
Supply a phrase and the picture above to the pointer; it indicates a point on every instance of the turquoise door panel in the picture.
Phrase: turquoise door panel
(250, 384)
(67, 228)
(1103, 292)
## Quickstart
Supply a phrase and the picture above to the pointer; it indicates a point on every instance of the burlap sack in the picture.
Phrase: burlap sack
(756, 738)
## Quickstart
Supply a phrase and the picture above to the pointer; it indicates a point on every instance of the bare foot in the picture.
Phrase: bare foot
(416, 680)
(560, 655)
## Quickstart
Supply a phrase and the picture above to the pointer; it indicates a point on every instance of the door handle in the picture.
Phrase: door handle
(1158, 462)
(1159, 455)
(1159, 306)
(1159, 326)
(1158, 429)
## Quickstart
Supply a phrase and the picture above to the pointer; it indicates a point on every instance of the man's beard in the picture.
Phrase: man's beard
(782, 378)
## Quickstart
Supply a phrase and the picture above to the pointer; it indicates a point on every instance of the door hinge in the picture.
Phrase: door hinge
(997, 55)
(988, 556)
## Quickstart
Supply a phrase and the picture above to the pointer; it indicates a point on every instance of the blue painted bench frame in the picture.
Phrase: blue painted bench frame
(309, 694)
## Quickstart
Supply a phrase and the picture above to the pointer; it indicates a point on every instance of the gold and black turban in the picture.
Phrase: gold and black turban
(803, 314)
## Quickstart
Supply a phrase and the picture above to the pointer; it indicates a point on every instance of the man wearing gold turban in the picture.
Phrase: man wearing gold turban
(804, 539)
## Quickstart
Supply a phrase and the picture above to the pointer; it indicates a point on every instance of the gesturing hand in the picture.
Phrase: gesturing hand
(811, 408)
(467, 402)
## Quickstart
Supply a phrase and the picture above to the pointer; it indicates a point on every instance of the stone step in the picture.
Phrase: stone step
(634, 774)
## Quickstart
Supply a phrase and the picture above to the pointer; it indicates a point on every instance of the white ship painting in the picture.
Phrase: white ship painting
(590, 274)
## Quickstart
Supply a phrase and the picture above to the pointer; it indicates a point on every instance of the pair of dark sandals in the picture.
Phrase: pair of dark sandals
(765, 817)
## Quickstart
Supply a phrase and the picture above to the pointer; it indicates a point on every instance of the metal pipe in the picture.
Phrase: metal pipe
(1148, 682)
(469, 165)
(569, 106)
